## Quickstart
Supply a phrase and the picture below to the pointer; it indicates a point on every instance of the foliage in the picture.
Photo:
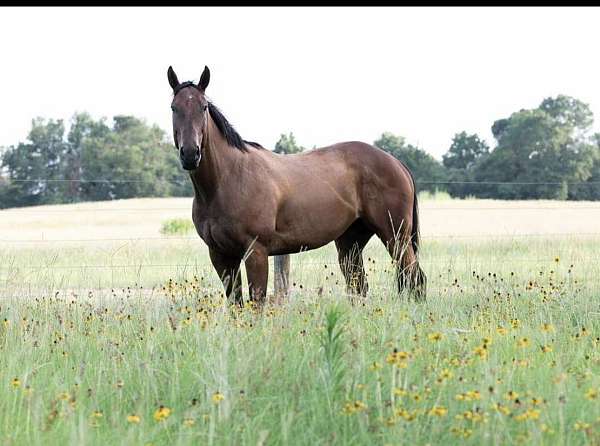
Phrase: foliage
(543, 145)
(424, 167)
(287, 145)
(461, 161)
(332, 343)
(177, 226)
(91, 162)
(546, 152)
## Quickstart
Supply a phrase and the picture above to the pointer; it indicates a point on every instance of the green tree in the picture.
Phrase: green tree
(287, 145)
(425, 168)
(590, 188)
(460, 161)
(132, 160)
(93, 162)
(464, 151)
(543, 145)
(33, 167)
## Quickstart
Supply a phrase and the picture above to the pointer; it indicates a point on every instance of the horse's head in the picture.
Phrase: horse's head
(189, 117)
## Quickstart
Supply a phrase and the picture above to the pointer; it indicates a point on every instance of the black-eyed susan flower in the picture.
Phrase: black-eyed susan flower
(444, 375)
(133, 419)
(162, 413)
(581, 425)
(435, 337)
(399, 391)
(591, 394)
(481, 351)
(15, 382)
(438, 411)
(546, 327)
(354, 407)
(217, 397)
(375, 366)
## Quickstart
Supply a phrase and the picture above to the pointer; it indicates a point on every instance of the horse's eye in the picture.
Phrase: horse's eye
(173, 107)
(204, 107)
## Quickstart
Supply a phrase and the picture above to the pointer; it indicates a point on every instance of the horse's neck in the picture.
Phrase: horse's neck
(216, 165)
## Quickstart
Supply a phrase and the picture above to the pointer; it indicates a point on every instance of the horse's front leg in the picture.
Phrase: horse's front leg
(257, 271)
(229, 272)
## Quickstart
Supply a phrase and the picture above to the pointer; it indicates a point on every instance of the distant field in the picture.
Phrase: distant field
(137, 218)
(103, 321)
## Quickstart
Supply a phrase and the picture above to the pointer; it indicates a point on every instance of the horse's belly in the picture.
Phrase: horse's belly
(310, 229)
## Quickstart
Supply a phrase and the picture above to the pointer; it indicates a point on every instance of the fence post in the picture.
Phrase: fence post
(282, 276)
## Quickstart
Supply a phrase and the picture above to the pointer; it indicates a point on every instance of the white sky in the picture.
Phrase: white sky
(327, 74)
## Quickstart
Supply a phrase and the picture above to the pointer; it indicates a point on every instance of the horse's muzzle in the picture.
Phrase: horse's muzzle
(190, 162)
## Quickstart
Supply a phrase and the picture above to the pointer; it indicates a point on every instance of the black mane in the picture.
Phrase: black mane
(232, 137)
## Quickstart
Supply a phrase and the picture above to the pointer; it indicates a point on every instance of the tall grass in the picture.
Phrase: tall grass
(506, 349)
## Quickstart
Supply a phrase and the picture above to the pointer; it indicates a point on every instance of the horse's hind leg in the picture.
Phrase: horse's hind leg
(349, 246)
(409, 274)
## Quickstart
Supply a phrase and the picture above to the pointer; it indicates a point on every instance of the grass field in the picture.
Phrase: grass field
(114, 334)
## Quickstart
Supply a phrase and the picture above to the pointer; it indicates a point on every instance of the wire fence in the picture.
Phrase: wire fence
(426, 237)
(572, 206)
(446, 261)
(180, 180)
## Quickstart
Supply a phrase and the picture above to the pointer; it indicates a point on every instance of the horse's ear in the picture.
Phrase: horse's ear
(204, 79)
(173, 81)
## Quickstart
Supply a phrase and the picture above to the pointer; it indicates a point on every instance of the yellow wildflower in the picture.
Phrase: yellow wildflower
(472, 395)
(547, 327)
(481, 351)
(434, 337)
(399, 392)
(591, 394)
(217, 397)
(16, 382)
(135, 419)
(438, 411)
(580, 425)
(444, 375)
(375, 366)
(162, 413)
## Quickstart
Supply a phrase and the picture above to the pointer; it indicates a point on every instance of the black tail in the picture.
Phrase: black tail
(415, 235)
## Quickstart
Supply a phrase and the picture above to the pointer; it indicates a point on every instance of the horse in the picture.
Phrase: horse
(251, 203)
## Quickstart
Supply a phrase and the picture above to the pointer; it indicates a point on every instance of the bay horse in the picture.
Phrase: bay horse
(251, 203)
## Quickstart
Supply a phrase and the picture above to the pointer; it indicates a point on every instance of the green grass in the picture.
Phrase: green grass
(313, 370)
(177, 226)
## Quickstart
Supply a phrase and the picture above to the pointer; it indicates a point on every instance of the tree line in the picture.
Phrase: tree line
(547, 152)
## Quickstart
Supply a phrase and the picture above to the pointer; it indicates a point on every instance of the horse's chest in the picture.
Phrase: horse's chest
(218, 235)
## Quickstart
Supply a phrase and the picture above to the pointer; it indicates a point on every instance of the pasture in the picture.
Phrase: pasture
(112, 333)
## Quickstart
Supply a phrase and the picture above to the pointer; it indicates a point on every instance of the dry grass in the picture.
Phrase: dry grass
(142, 217)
